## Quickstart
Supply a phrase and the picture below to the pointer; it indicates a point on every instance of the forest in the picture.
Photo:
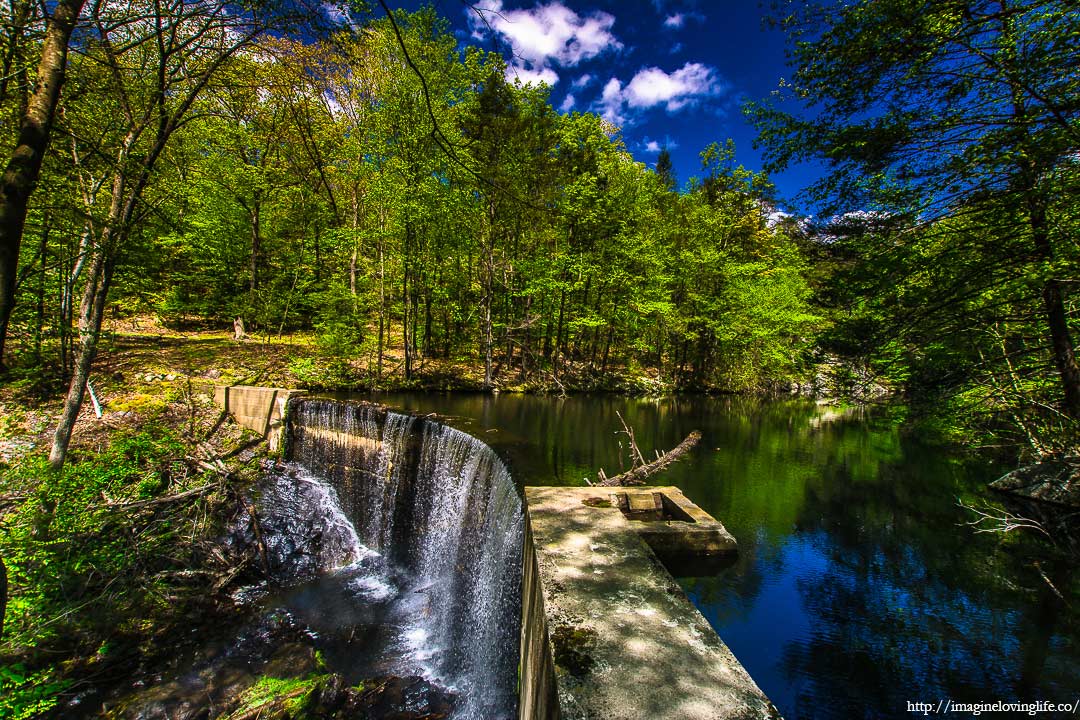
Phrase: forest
(380, 191)
(358, 183)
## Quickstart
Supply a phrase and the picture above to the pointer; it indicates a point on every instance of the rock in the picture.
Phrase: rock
(291, 660)
(1054, 481)
(401, 698)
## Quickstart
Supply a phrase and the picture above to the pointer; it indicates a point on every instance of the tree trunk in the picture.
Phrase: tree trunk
(352, 271)
(546, 351)
(448, 329)
(487, 333)
(23, 169)
(558, 333)
(318, 251)
(90, 316)
(382, 311)
(92, 308)
(526, 340)
(607, 349)
(13, 65)
(405, 300)
(638, 475)
(429, 347)
(256, 248)
(39, 319)
(489, 288)
(1054, 306)
(1064, 353)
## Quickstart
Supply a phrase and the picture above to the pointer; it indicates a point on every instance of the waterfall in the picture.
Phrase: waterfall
(440, 510)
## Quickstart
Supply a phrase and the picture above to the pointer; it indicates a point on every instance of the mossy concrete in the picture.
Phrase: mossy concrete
(624, 642)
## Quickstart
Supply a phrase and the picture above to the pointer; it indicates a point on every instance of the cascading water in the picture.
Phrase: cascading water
(426, 577)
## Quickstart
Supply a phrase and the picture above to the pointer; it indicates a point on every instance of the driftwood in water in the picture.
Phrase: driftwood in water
(638, 475)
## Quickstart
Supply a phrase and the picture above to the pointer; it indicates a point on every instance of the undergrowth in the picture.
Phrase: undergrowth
(100, 560)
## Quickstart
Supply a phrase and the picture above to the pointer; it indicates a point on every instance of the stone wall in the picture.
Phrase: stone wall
(537, 699)
(260, 409)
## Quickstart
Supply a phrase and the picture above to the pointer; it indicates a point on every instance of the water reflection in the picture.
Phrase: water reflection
(858, 586)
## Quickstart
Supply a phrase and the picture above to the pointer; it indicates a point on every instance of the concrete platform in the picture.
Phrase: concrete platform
(607, 632)
(672, 525)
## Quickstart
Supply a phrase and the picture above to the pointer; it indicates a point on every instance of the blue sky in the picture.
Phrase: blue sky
(670, 73)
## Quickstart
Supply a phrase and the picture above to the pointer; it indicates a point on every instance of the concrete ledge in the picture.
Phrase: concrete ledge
(261, 409)
(624, 641)
(672, 525)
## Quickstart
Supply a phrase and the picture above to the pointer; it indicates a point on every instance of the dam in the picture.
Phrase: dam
(518, 602)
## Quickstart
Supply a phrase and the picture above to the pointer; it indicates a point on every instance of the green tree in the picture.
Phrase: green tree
(965, 108)
(35, 130)
(149, 69)
(665, 170)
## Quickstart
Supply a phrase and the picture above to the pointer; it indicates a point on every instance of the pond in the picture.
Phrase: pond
(859, 586)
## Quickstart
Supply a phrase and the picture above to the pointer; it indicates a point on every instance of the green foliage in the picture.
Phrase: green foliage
(339, 324)
(325, 373)
(290, 695)
(325, 187)
(69, 554)
(25, 695)
(951, 131)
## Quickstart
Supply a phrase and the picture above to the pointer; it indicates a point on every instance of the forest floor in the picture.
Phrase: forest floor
(142, 366)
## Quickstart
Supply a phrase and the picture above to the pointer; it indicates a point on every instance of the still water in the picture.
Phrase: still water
(859, 586)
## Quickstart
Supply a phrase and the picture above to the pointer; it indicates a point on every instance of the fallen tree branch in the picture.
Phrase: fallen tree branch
(164, 499)
(990, 520)
(1053, 587)
(637, 475)
(636, 458)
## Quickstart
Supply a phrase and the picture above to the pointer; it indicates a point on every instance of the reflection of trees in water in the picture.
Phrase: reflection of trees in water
(916, 604)
(881, 639)
(730, 595)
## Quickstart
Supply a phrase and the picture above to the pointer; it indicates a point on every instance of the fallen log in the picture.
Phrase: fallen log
(638, 475)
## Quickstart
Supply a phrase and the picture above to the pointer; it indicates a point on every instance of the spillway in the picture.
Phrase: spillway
(413, 533)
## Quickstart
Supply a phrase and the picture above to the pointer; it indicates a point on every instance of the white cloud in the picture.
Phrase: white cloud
(530, 75)
(654, 146)
(776, 217)
(652, 87)
(583, 81)
(568, 103)
(611, 102)
(546, 35)
(677, 20)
